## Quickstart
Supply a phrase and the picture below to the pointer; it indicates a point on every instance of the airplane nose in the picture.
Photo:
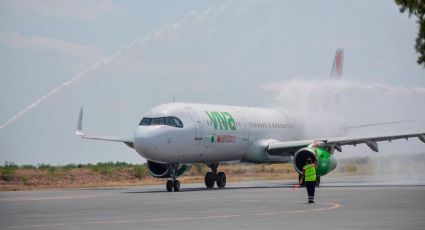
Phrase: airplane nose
(146, 139)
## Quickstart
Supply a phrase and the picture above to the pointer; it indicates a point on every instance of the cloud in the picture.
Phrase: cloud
(200, 20)
(68, 9)
(310, 95)
(66, 48)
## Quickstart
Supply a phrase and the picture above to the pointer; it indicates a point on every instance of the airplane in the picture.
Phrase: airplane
(174, 136)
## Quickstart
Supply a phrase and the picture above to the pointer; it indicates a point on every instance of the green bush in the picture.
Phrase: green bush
(68, 167)
(7, 171)
(140, 171)
(107, 170)
(28, 167)
(51, 170)
(104, 169)
(44, 166)
(24, 179)
(200, 168)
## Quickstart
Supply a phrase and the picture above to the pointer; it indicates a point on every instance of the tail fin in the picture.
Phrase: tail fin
(336, 72)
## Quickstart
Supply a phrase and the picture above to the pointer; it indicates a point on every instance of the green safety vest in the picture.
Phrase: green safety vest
(310, 172)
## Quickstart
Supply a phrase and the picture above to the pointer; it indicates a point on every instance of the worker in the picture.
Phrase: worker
(309, 176)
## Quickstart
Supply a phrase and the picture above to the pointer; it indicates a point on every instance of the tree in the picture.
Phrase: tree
(417, 8)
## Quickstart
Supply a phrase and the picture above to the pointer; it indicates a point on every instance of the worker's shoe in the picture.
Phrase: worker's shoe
(311, 201)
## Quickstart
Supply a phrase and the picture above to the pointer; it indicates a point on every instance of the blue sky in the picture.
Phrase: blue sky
(225, 52)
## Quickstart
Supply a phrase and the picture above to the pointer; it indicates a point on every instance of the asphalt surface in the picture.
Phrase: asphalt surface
(342, 203)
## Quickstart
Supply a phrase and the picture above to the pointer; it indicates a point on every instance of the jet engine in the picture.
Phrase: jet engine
(159, 170)
(325, 161)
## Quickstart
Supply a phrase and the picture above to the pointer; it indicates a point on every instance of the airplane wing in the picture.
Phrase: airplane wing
(289, 148)
(128, 141)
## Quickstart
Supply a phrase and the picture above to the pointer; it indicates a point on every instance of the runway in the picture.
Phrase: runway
(343, 203)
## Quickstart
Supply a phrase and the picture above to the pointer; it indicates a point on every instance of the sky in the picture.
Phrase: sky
(118, 59)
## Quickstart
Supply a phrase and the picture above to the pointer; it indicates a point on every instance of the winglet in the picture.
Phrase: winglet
(422, 138)
(337, 67)
(372, 145)
(79, 131)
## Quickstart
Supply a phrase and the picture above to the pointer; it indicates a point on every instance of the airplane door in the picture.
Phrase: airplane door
(197, 123)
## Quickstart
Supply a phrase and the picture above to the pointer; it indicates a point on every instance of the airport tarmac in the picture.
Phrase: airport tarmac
(342, 203)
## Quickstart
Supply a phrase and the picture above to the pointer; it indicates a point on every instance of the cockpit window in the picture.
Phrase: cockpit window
(158, 121)
(145, 121)
(170, 121)
(174, 121)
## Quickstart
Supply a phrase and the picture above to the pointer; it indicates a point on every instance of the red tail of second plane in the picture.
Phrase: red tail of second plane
(337, 67)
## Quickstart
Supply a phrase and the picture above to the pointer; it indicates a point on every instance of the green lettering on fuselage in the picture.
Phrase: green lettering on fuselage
(213, 119)
(222, 120)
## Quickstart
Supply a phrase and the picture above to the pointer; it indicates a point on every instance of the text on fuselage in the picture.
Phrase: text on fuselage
(222, 120)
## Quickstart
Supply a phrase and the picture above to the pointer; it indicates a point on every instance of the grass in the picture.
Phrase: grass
(140, 171)
(105, 174)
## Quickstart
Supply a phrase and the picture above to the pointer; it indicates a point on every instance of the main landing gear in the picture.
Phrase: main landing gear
(213, 176)
(173, 183)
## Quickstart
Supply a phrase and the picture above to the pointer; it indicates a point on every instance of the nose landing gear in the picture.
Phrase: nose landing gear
(173, 183)
(213, 176)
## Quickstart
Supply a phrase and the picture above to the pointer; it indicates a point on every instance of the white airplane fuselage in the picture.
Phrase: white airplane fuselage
(173, 136)
(213, 133)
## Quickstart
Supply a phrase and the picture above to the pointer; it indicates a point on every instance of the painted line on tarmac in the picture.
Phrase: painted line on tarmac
(267, 214)
(332, 206)
(47, 198)
(121, 221)
(37, 226)
(110, 222)
(220, 217)
(170, 219)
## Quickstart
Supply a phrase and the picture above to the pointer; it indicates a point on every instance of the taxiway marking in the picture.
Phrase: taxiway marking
(331, 206)
(47, 198)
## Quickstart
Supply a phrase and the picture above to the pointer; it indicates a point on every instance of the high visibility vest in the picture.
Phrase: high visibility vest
(310, 172)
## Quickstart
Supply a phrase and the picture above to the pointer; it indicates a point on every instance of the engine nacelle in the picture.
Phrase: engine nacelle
(159, 170)
(325, 161)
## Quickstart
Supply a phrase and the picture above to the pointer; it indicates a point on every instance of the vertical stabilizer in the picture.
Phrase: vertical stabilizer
(337, 67)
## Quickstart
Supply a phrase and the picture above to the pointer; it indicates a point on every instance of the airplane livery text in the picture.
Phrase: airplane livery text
(222, 120)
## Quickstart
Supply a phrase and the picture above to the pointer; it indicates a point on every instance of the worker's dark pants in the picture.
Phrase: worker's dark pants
(311, 186)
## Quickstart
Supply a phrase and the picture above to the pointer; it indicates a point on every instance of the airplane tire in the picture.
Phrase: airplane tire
(209, 179)
(176, 186)
(221, 180)
(169, 186)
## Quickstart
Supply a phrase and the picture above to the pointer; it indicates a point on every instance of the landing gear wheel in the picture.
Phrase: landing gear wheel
(221, 180)
(209, 179)
(301, 178)
(176, 186)
(169, 186)
(317, 181)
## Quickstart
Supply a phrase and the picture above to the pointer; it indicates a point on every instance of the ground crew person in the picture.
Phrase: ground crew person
(309, 175)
